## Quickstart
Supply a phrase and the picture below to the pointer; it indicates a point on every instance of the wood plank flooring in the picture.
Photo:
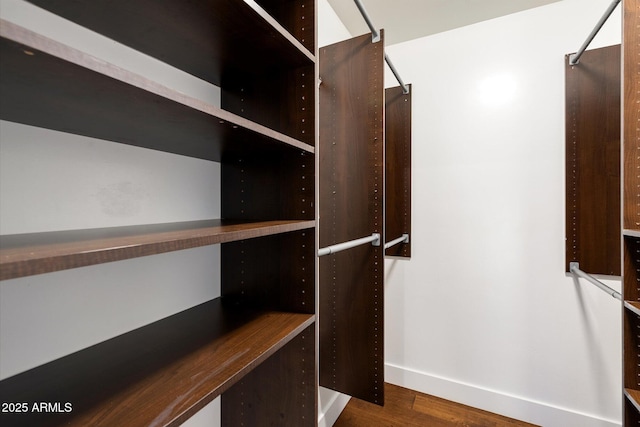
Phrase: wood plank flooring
(408, 408)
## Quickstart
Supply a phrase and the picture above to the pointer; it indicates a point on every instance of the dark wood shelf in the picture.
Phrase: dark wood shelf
(631, 233)
(215, 40)
(634, 397)
(48, 84)
(160, 374)
(37, 253)
(633, 306)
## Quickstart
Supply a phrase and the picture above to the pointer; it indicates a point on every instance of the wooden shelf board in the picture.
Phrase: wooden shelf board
(37, 253)
(213, 40)
(160, 374)
(633, 396)
(633, 306)
(631, 233)
(48, 84)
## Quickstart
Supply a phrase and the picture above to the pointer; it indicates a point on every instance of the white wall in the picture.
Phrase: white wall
(483, 313)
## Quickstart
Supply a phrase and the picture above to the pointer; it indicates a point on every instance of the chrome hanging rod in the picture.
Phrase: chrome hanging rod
(405, 88)
(574, 268)
(374, 239)
(402, 239)
(575, 57)
(375, 34)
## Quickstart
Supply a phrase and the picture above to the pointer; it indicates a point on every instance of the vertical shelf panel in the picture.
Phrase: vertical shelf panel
(351, 150)
(631, 130)
(281, 391)
(631, 206)
(254, 275)
(297, 16)
(282, 100)
(398, 169)
(269, 186)
(593, 161)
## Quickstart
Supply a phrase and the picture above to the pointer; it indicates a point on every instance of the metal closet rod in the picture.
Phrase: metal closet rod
(376, 36)
(575, 57)
(402, 239)
(574, 268)
(374, 239)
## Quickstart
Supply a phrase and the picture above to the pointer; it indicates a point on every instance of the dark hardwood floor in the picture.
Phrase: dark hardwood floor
(408, 408)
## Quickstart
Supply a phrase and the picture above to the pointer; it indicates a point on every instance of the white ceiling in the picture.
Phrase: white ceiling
(405, 20)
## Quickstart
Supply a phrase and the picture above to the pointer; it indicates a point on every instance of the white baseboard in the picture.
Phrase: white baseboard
(538, 413)
(331, 410)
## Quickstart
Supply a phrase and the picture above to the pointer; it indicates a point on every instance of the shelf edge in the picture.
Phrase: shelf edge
(632, 308)
(116, 249)
(59, 50)
(278, 27)
(631, 233)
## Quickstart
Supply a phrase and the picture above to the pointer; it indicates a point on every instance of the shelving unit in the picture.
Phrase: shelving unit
(171, 368)
(631, 213)
(631, 326)
(256, 344)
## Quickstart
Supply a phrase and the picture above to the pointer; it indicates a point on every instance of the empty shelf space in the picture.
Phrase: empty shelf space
(51, 85)
(160, 374)
(633, 306)
(633, 396)
(37, 253)
(215, 40)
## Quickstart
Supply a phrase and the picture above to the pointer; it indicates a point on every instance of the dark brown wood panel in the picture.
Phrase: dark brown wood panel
(255, 275)
(213, 40)
(37, 253)
(631, 273)
(631, 130)
(593, 161)
(630, 350)
(160, 374)
(269, 187)
(283, 101)
(631, 411)
(284, 386)
(398, 169)
(297, 16)
(46, 84)
(352, 202)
